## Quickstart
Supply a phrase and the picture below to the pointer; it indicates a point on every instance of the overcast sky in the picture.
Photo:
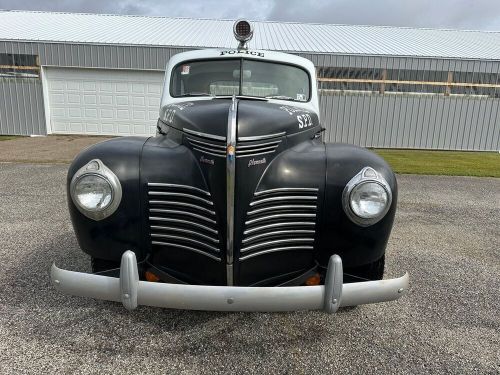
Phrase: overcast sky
(456, 14)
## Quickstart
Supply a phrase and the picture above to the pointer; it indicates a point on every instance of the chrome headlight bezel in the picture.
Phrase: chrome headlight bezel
(97, 168)
(366, 175)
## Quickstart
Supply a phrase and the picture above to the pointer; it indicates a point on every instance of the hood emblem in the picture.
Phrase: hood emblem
(231, 150)
(256, 162)
(206, 161)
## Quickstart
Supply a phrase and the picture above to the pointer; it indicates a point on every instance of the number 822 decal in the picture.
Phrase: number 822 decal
(305, 121)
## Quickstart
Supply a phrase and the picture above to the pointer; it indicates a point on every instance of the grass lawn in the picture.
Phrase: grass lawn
(8, 137)
(448, 163)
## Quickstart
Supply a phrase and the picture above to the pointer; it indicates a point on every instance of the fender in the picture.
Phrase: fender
(109, 238)
(356, 245)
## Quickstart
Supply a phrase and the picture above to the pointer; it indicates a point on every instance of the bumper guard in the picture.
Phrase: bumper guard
(131, 292)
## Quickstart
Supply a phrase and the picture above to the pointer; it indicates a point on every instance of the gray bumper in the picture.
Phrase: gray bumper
(132, 292)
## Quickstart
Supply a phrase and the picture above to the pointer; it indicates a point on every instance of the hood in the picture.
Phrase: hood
(255, 117)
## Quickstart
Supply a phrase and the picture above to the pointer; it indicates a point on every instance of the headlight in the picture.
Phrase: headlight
(95, 190)
(367, 197)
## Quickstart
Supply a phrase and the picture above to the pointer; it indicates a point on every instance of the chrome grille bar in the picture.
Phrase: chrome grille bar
(261, 137)
(184, 247)
(280, 216)
(183, 222)
(286, 190)
(177, 212)
(286, 198)
(157, 184)
(281, 219)
(279, 233)
(282, 208)
(273, 250)
(183, 217)
(204, 135)
(220, 147)
(184, 238)
(181, 195)
(182, 204)
(187, 231)
(280, 225)
(277, 242)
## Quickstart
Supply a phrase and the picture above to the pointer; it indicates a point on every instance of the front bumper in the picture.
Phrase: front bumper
(132, 292)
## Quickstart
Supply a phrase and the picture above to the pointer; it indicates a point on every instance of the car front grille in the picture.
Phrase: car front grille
(183, 217)
(210, 144)
(258, 145)
(280, 220)
(245, 147)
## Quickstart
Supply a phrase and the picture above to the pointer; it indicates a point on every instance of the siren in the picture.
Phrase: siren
(243, 32)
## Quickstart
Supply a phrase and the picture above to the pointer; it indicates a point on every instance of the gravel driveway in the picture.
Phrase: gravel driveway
(446, 235)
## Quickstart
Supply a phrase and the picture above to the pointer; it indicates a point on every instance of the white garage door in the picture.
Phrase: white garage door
(103, 101)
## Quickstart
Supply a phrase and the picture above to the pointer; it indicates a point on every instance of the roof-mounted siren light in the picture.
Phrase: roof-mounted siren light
(243, 32)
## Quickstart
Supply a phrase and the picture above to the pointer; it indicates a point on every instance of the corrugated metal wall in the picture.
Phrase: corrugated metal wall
(21, 106)
(412, 121)
(373, 120)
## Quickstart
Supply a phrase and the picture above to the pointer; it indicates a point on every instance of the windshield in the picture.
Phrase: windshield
(240, 77)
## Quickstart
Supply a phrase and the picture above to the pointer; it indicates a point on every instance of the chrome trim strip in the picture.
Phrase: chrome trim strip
(256, 154)
(205, 148)
(221, 147)
(184, 222)
(282, 207)
(208, 152)
(277, 233)
(284, 198)
(257, 145)
(279, 216)
(276, 242)
(276, 249)
(160, 243)
(256, 150)
(279, 190)
(182, 230)
(230, 187)
(183, 204)
(176, 212)
(278, 225)
(183, 195)
(158, 184)
(182, 238)
(259, 137)
(203, 135)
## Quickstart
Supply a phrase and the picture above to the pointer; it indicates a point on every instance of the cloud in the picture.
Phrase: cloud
(459, 14)
(253, 9)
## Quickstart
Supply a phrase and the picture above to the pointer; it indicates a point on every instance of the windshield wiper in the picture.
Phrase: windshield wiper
(282, 97)
(196, 94)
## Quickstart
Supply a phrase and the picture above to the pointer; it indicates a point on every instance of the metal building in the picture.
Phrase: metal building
(380, 86)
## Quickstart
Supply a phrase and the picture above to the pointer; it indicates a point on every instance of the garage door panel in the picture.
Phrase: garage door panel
(102, 101)
(124, 129)
(75, 113)
(121, 100)
(106, 99)
(123, 114)
(90, 99)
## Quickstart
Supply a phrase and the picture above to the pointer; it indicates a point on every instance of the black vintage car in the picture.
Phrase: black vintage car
(236, 204)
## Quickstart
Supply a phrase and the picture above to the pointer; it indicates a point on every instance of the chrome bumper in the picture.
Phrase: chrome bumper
(130, 291)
